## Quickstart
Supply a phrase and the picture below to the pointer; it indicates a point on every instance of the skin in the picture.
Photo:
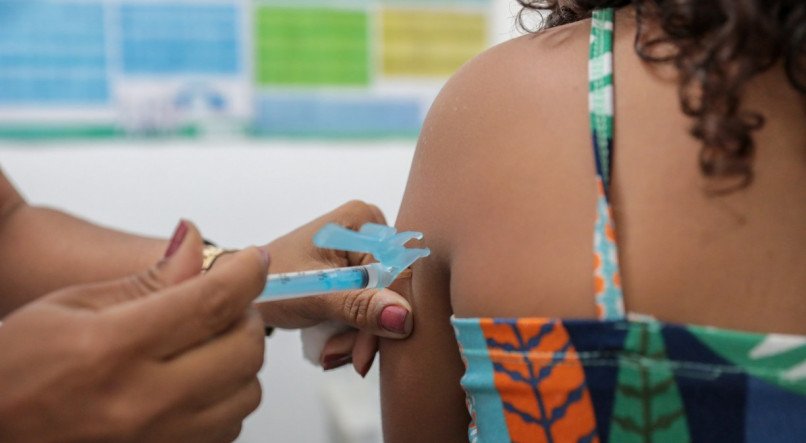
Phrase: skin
(99, 345)
(503, 187)
(93, 362)
(42, 238)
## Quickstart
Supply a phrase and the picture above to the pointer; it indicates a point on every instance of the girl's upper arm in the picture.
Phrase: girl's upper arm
(421, 396)
(420, 392)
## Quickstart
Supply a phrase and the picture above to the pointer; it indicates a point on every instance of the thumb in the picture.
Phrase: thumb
(183, 260)
(380, 312)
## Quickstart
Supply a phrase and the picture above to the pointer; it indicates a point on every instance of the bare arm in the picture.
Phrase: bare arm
(420, 392)
(451, 185)
(42, 250)
(421, 397)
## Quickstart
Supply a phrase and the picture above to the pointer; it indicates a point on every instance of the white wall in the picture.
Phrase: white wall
(240, 193)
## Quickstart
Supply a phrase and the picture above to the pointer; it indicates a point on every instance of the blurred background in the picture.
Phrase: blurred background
(248, 117)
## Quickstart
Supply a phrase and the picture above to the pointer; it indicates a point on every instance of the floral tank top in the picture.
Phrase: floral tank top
(626, 380)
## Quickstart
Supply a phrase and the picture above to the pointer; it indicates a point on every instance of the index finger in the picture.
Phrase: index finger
(351, 215)
(183, 316)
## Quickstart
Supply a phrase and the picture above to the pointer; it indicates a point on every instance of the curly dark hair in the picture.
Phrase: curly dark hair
(716, 46)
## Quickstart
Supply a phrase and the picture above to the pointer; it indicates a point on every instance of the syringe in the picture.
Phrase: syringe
(382, 242)
(303, 284)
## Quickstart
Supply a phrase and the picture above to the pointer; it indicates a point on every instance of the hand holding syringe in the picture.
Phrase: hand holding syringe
(383, 242)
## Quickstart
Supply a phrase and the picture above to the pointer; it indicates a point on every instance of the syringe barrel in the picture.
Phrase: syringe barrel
(302, 284)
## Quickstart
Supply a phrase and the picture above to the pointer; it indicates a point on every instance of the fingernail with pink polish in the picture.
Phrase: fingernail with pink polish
(393, 319)
(176, 240)
(365, 370)
(266, 257)
(334, 361)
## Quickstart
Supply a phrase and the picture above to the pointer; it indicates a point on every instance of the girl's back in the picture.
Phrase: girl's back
(516, 193)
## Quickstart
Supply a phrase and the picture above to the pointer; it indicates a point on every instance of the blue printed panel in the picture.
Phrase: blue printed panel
(52, 53)
(181, 38)
(330, 116)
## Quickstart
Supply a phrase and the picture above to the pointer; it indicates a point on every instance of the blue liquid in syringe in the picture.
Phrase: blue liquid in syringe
(314, 282)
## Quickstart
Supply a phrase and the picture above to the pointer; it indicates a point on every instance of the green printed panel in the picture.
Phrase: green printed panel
(648, 406)
(311, 46)
(778, 359)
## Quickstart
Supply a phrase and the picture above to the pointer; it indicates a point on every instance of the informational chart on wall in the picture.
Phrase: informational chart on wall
(264, 68)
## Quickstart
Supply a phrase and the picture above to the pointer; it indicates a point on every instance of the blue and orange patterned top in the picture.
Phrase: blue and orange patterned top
(624, 380)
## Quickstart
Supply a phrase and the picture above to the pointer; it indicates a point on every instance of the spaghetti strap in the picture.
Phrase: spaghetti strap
(600, 85)
(607, 279)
